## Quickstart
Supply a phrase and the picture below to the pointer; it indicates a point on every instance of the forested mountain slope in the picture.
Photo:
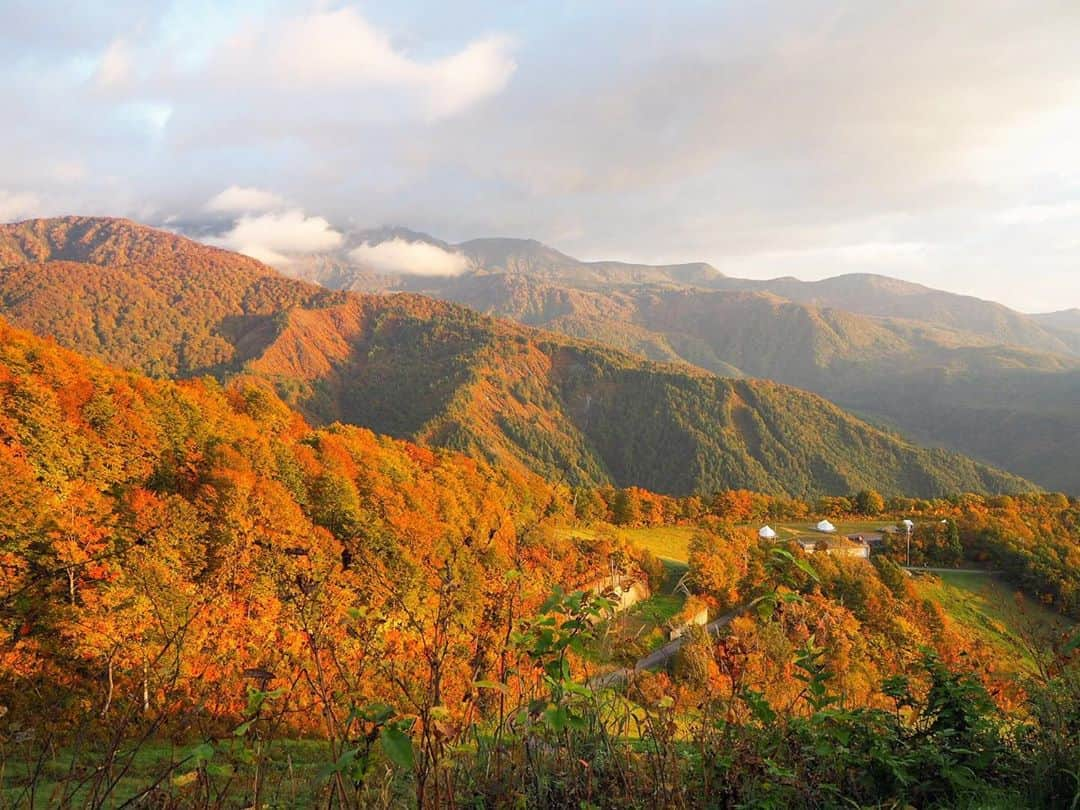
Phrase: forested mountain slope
(413, 367)
(164, 538)
(947, 369)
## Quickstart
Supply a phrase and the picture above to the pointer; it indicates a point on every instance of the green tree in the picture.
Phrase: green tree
(625, 510)
(869, 502)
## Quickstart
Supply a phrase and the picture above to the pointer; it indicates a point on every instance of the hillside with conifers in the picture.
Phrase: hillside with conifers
(445, 376)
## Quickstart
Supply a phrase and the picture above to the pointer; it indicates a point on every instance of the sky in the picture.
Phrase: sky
(936, 142)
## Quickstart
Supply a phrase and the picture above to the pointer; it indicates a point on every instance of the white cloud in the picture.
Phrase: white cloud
(244, 200)
(413, 258)
(15, 205)
(68, 171)
(273, 238)
(481, 70)
(115, 67)
(881, 252)
(339, 51)
(1037, 214)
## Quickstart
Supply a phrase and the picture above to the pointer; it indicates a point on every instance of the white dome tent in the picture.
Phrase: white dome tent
(766, 533)
(825, 526)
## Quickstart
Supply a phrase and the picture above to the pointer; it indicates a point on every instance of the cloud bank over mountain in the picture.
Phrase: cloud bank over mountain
(272, 237)
(398, 255)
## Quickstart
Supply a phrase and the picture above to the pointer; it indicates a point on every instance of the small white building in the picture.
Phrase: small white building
(766, 533)
(825, 526)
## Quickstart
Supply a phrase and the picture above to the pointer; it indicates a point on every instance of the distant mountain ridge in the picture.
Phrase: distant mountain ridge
(931, 364)
(859, 293)
(414, 367)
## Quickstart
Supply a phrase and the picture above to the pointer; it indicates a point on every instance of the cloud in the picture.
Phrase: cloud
(15, 205)
(1038, 214)
(824, 257)
(714, 132)
(68, 171)
(244, 200)
(340, 52)
(481, 70)
(115, 67)
(273, 238)
(411, 258)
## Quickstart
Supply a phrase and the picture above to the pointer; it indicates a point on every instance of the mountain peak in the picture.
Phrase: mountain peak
(386, 233)
(108, 241)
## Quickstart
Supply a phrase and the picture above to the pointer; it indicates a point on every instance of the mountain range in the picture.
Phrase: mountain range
(447, 376)
(946, 369)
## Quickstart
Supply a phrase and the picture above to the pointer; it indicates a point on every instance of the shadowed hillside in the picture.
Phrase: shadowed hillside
(947, 369)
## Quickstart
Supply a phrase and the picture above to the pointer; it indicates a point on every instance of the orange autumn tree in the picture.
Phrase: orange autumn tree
(164, 540)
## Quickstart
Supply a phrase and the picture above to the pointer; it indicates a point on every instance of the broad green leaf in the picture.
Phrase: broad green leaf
(398, 747)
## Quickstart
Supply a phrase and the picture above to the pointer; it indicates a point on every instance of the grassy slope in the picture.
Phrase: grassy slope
(991, 611)
(669, 543)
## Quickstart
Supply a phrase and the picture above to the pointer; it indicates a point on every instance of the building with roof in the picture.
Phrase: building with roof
(842, 546)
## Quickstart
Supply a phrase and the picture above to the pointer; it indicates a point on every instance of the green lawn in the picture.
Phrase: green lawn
(843, 527)
(672, 542)
(666, 542)
(988, 608)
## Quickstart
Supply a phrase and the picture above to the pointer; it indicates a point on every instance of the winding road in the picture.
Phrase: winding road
(915, 568)
(658, 656)
(663, 653)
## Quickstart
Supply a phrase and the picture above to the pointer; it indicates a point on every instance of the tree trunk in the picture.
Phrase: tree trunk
(109, 692)
(145, 686)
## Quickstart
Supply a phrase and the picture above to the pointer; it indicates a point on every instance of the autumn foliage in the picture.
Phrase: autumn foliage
(161, 539)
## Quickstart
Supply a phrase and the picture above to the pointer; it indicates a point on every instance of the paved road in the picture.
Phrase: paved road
(948, 570)
(658, 656)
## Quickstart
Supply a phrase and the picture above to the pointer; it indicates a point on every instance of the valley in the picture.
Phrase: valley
(224, 584)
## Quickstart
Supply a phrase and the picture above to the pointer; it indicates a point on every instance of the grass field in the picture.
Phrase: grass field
(666, 542)
(842, 527)
(989, 609)
(672, 542)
